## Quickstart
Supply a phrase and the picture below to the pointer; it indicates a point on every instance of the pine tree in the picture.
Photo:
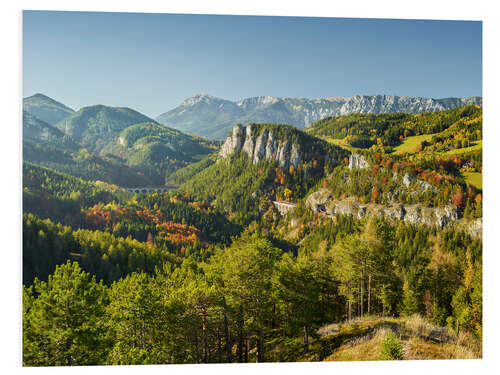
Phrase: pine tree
(65, 321)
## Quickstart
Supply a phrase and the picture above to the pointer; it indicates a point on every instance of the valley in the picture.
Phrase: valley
(287, 230)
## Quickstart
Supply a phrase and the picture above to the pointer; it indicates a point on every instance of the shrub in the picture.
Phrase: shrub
(391, 348)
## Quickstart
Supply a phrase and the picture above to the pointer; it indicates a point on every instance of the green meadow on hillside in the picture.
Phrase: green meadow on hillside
(410, 144)
(475, 179)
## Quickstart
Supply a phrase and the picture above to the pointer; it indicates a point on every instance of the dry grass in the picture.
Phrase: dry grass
(366, 348)
(416, 325)
(419, 349)
(421, 340)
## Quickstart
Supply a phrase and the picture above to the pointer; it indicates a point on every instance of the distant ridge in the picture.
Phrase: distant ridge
(46, 109)
(213, 117)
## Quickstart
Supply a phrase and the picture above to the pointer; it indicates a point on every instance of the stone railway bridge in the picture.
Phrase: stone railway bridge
(151, 189)
(284, 207)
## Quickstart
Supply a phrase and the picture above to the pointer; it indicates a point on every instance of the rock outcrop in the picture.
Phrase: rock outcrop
(408, 179)
(357, 161)
(262, 147)
(475, 228)
(321, 201)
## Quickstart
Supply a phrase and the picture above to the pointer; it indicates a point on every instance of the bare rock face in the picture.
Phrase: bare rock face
(317, 200)
(260, 147)
(284, 154)
(271, 146)
(357, 161)
(424, 185)
(263, 147)
(322, 201)
(294, 156)
(413, 215)
(396, 212)
(249, 144)
(446, 215)
(408, 179)
(233, 142)
(475, 228)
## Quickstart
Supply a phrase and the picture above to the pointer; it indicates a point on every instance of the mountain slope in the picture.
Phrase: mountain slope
(116, 145)
(97, 125)
(84, 165)
(157, 150)
(203, 115)
(212, 117)
(46, 109)
(38, 131)
(47, 146)
(364, 130)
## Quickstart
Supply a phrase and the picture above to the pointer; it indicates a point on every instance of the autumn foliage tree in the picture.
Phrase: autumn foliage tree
(458, 198)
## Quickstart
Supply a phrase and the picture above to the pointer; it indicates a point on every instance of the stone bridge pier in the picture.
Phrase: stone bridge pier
(284, 207)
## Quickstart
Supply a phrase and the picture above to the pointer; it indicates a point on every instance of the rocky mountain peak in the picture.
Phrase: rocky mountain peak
(256, 102)
(209, 99)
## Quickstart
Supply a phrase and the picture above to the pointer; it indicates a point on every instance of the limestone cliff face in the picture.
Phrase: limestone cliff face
(357, 161)
(265, 146)
(441, 217)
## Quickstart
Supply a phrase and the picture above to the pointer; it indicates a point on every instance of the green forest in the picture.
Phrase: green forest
(214, 271)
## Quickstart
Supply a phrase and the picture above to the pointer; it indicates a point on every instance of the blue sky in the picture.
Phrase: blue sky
(152, 62)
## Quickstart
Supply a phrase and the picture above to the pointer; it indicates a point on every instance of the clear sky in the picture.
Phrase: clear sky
(152, 62)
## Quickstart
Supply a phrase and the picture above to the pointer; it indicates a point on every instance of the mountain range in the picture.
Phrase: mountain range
(212, 117)
(158, 148)
(112, 144)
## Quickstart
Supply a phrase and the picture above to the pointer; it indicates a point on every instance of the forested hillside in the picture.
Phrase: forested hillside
(85, 165)
(116, 145)
(97, 125)
(377, 256)
(170, 221)
(48, 146)
(366, 130)
(157, 150)
(243, 184)
(36, 130)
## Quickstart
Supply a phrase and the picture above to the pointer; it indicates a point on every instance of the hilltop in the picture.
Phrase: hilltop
(46, 109)
(97, 125)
